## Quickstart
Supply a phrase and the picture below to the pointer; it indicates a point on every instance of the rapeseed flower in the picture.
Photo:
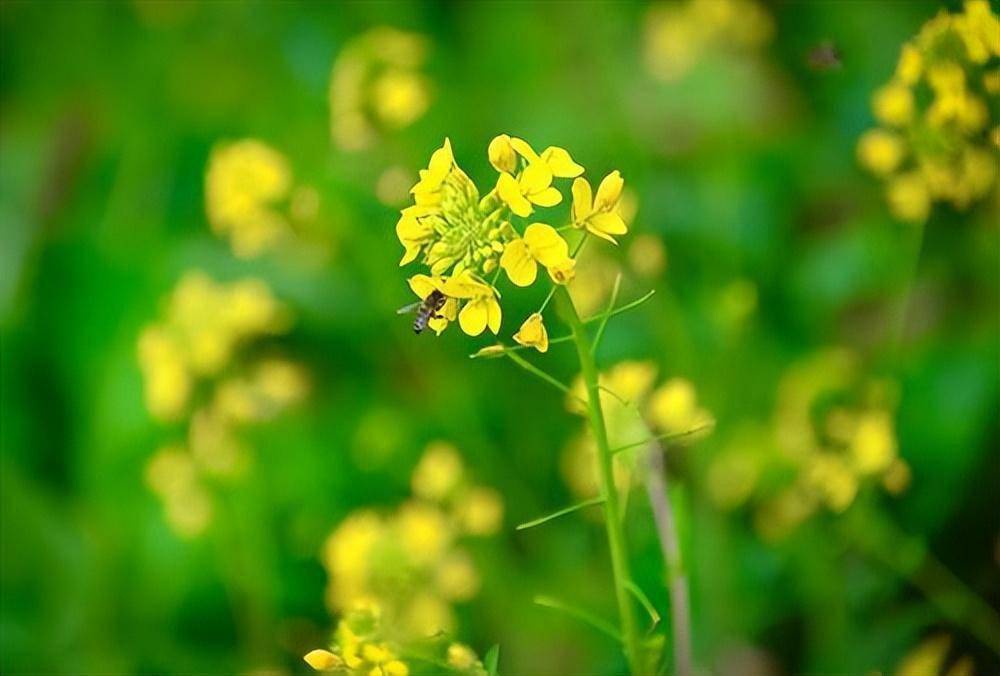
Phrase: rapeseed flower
(938, 142)
(533, 334)
(465, 238)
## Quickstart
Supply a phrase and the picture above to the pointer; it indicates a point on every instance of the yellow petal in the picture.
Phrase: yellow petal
(464, 285)
(422, 285)
(533, 334)
(560, 162)
(523, 149)
(501, 154)
(322, 660)
(547, 198)
(536, 177)
(609, 192)
(510, 192)
(544, 244)
(606, 224)
(582, 200)
(494, 314)
(474, 316)
(410, 255)
(518, 263)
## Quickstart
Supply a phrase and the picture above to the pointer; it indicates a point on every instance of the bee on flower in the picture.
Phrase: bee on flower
(937, 141)
(467, 238)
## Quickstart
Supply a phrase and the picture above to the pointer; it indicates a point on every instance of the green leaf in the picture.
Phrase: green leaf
(562, 512)
(492, 660)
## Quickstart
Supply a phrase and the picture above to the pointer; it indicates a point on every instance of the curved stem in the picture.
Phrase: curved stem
(612, 522)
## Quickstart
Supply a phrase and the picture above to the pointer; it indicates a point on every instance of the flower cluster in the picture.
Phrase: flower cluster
(364, 645)
(192, 372)
(937, 141)
(376, 84)
(465, 239)
(634, 408)
(678, 35)
(833, 433)
(409, 562)
(251, 198)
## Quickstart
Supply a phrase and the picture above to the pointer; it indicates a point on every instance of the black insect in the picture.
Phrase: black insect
(427, 309)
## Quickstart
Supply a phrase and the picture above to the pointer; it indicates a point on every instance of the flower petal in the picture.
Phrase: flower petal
(523, 149)
(560, 162)
(544, 244)
(518, 263)
(533, 334)
(547, 198)
(582, 200)
(422, 285)
(495, 314)
(536, 177)
(474, 316)
(563, 272)
(609, 192)
(501, 154)
(510, 192)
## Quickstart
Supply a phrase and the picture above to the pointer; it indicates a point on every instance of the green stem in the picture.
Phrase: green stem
(613, 525)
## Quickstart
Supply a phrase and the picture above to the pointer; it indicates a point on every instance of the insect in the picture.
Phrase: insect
(825, 56)
(426, 310)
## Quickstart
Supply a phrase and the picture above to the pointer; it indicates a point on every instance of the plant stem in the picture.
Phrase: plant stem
(612, 522)
(666, 529)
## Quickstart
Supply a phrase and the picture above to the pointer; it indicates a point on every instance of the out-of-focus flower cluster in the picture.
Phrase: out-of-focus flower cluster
(930, 658)
(465, 239)
(635, 409)
(251, 197)
(939, 136)
(376, 84)
(833, 433)
(678, 35)
(410, 562)
(196, 371)
(364, 645)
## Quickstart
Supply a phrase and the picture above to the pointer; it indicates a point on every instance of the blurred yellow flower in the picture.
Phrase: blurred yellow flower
(939, 145)
(377, 84)
(245, 184)
(673, 407)
(438, 473)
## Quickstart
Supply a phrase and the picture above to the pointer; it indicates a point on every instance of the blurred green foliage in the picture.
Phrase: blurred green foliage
(744, 169)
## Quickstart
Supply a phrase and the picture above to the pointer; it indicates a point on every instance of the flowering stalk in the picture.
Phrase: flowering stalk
(612, 520)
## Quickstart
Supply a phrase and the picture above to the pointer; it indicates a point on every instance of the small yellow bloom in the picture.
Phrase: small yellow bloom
(440, 165)
(438, 472)
(599, 215)
(910, 65)
(423, 285)
(461, 656)
(533, 187)
(909, 199)
(323, 660)
(557, 159)
(481, 309)
(881, 151)
(480, 511)
(533, 334)
(540, 244)
(893, 104)
(502, 155)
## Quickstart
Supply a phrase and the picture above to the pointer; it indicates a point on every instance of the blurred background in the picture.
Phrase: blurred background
(212, 415)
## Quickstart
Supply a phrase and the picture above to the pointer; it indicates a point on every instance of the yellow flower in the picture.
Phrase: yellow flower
(881, 151)
(540, 243)
(323, 660)
(502, 155)
(480, 511)
(599, 215)
(432, 178)
(557, 159)
(481, 309)
(873, 446)
(673, 407)
(909, 199)
(533, 334)
(533, 187)
(910, 65)
(438, 472)
(461, 656)
(893, 104)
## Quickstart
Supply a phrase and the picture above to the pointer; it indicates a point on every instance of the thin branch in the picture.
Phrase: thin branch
(562, 512)
(664, 437)
(534, 370)
(645, 602)
(579, 614)
(624, 308)
(607, 315)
